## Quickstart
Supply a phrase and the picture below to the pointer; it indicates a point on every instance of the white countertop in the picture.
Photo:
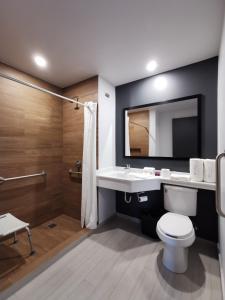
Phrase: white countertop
(121, 175)
(191, 184)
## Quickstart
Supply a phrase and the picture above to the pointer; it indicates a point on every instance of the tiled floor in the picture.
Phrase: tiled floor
(117, 262)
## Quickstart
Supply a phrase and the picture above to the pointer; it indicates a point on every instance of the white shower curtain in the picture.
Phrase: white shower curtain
(89, 192)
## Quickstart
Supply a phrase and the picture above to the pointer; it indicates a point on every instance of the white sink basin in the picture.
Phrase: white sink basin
(127, 180)
(126, 174)
(135, 180)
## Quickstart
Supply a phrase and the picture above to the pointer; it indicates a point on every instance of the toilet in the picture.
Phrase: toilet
(175, 228)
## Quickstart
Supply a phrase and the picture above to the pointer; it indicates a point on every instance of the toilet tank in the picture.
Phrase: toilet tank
(180, 200)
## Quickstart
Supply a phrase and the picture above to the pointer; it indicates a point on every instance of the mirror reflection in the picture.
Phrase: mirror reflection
(165, 129)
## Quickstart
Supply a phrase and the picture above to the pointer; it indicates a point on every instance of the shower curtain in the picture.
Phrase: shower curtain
(89, 191)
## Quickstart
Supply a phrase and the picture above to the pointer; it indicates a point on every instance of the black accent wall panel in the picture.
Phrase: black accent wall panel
(198, 78)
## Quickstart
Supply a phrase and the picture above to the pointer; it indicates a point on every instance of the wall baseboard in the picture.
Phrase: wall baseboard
(133, 219)
(105, 222)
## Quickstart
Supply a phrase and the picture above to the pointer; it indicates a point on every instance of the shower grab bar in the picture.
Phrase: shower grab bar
(3, 179)
(218, 185)
(74, 172)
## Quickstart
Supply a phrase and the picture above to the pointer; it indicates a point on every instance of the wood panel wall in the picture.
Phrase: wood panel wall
(73, 143)
(30, 141)
(39, 132)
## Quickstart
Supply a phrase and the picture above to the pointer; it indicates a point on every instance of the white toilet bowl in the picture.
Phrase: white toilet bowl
(177, 233)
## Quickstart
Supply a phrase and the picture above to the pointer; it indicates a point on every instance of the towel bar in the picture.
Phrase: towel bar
(3, 179)
(74, 172)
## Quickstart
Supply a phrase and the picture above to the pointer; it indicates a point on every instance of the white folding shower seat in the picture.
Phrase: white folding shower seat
(11, 225)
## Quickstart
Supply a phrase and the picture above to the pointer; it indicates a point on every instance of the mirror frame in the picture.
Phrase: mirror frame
(197, 96)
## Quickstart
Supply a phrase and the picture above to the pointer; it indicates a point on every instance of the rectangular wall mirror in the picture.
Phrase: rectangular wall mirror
(168, 129)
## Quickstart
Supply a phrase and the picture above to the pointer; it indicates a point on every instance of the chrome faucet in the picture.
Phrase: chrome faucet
(127, 166)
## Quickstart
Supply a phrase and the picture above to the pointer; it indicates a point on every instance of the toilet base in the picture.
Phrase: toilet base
(175, 258)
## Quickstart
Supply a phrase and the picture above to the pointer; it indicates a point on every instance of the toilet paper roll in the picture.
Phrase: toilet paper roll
(210, 170)
(196, 169)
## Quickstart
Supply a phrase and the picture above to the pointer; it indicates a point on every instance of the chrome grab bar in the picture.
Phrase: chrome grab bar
(218, 185)
(3, 179)
(74, 172)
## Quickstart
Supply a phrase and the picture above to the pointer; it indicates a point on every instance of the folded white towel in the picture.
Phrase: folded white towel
(210, 170)
(196, 169)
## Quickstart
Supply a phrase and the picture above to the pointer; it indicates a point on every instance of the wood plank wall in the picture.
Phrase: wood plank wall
(73, 142)
(30, 141)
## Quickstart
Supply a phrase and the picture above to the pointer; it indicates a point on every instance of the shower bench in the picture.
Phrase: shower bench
(11, 225)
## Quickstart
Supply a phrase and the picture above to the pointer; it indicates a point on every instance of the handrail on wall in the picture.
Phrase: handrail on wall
(218, 185)
(74, 172)
(3, 179)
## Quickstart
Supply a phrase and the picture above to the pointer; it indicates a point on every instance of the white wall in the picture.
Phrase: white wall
(106, 145)
(106, 123)
(153, 138)
(221, 147)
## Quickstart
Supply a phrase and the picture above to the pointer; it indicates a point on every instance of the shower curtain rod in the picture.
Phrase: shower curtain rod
(33, 86)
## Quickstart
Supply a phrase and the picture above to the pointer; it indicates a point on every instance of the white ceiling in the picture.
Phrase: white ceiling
(113, 38)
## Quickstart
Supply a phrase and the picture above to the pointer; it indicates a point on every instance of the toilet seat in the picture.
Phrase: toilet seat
(175, 225)
(176, 230)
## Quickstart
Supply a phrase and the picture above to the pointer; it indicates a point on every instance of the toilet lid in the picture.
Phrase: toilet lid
(175, 225)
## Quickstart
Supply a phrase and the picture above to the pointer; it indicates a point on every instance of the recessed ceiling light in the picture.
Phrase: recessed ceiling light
(40, 61)
(151, 66)
(160, 83)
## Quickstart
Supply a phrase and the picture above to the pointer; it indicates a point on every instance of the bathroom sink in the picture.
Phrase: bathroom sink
(126, 175)
(134, 180)
(127, 180)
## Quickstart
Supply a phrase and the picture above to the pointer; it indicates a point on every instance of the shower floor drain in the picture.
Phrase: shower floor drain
(52, 225)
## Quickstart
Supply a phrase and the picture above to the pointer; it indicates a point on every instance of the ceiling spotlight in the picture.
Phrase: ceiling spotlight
(151, 66)
(160, 83)
(40, 61)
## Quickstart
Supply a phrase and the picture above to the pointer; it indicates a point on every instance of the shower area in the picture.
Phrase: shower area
(40, 135)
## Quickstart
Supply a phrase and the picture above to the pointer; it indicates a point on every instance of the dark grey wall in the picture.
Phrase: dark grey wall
(198, 78)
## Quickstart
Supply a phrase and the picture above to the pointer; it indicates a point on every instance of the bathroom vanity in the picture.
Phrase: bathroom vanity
(124, 184)
(165, 134)
(134, 180)
(127, 180)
